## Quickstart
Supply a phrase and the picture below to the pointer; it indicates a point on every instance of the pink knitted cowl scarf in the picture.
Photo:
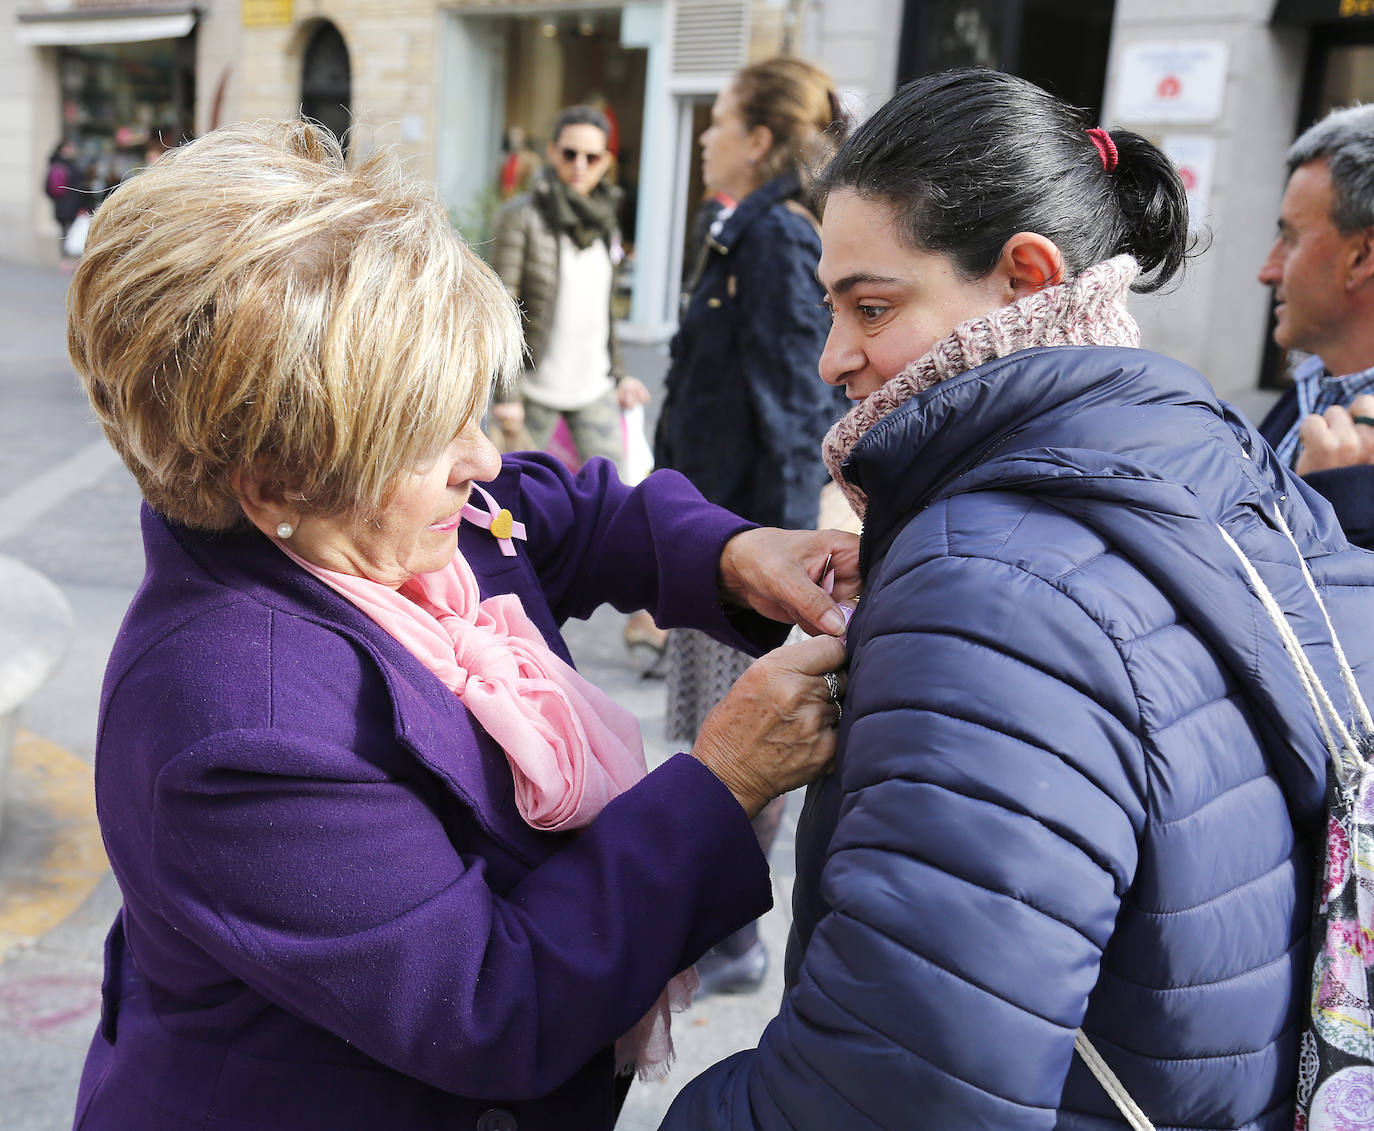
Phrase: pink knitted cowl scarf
(1089, 310)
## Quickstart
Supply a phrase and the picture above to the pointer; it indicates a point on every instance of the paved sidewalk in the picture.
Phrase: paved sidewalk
(69, 510)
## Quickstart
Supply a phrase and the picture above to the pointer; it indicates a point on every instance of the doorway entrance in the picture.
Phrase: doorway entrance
(327, 81)
(506, 78)
(1060, 45)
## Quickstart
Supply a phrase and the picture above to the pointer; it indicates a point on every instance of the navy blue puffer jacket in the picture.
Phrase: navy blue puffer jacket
(1078, 783)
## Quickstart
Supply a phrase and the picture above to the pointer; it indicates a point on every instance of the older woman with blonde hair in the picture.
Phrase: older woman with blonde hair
(387, 860)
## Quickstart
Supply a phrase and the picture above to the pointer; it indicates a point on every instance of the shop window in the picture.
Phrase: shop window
(564, 58)
(327, 81)
(1060, 45)
(506, 77)
(123, 103)
(1340, 71)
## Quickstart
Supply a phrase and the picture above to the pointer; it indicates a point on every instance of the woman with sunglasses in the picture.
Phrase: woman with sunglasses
(556, 249)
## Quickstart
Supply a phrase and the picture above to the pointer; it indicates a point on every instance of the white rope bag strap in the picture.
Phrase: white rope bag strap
(1110, 1084)
(1341, 746)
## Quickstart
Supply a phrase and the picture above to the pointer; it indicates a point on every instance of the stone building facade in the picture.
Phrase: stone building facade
(443, 83)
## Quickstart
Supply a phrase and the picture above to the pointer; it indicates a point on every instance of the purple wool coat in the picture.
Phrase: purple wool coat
(334, 916)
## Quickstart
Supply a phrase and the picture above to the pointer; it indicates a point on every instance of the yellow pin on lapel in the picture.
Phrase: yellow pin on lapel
(495, 518)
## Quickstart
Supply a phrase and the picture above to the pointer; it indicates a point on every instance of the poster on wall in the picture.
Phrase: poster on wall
(1193, 156)
(1180, 81)
(266, 13)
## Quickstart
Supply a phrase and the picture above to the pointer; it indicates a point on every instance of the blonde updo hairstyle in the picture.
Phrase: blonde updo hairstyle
(251, 304)
(798, 103)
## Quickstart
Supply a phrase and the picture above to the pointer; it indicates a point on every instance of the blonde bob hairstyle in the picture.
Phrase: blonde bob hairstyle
(250, 304)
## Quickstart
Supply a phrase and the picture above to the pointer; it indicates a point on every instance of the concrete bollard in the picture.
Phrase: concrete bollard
(35, 632)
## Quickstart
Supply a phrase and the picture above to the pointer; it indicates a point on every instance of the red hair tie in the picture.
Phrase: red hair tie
(1106, 147)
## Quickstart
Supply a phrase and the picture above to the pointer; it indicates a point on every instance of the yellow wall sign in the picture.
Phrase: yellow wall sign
(266, 13)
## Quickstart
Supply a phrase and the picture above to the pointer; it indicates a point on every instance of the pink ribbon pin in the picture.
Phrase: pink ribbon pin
(828, 588)
(497, 519)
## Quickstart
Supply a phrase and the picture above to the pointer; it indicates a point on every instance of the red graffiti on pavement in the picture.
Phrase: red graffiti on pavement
(40, 1004)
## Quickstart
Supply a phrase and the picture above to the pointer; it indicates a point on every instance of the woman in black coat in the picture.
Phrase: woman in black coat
(745, 413)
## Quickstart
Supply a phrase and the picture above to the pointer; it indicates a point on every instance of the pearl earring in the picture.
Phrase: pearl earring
(285, 530)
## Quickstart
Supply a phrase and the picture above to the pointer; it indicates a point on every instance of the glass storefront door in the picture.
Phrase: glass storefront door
(123, 103)
(515, 73)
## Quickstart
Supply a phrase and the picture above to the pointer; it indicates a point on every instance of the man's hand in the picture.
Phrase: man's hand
(631, 391)
(779, 572)
(1341, 437)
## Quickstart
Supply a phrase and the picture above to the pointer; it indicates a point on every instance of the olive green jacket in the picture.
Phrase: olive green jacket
(525, 255)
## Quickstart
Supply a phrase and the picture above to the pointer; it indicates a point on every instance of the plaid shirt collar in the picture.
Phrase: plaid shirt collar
(1318, 391)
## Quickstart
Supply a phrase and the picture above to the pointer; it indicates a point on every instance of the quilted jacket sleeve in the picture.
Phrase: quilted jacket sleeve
(509, 253)
(509, 237)
(782, 331)
(988, 805)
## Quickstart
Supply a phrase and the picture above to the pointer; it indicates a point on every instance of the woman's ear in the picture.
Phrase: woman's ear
(1031, 262)
(264, 503)
(759, 144)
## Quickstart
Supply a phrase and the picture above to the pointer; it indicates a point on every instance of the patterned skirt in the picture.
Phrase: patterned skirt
(699, 673)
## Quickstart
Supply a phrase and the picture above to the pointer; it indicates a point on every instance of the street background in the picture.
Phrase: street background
(69, 509)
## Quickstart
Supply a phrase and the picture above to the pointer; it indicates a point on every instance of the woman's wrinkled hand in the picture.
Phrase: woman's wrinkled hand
(779, 573)
(775, 730)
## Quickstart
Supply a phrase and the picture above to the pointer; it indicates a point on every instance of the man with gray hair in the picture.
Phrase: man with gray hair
(1322, 270)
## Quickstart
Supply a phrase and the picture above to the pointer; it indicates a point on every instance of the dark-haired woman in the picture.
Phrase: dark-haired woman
(1078, 781)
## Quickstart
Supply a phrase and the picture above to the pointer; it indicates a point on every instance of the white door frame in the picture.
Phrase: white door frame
(470, 124)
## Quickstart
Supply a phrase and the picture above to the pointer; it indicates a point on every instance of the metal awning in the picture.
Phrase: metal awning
(75, 26)
(1304, 13)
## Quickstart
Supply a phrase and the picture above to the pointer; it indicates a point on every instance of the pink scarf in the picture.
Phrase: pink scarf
(571, 748)
(1089, 310)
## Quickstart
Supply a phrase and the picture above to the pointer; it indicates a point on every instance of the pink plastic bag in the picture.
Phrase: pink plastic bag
(561, 445)
(638, 459)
